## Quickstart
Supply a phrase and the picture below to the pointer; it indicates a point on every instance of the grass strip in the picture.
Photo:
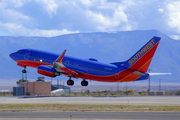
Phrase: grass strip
(70, 107)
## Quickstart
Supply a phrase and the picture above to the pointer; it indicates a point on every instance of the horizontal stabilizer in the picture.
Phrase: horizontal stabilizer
(160, 74)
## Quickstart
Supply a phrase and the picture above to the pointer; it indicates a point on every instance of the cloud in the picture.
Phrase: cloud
(175, 37)
(49, 5)
(173, 15)
(50, 33)
(57, 17)
(116, 19)
(9, 13)
(18, 30)
(13, 3)
(87, 3)
(161, 10)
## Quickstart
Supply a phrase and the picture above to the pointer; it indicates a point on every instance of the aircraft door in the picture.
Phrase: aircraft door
(26, 56)
(117, 74)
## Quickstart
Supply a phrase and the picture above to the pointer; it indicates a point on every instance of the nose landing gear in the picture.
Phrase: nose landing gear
(24, 71)
(24, 74)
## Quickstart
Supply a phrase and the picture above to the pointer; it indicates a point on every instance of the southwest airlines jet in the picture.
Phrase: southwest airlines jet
(52, 65)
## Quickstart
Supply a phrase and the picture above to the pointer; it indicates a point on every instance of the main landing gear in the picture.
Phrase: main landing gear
(84, 83)
(71, 82)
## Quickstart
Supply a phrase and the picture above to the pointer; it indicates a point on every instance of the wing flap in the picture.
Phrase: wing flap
(70, 71)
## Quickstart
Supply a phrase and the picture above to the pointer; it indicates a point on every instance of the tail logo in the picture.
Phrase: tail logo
(141, 52)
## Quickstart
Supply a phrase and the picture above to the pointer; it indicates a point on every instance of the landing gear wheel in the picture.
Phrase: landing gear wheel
(84, 83)
(70, 82)
(24, 71)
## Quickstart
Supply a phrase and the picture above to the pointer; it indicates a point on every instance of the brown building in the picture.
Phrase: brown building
(37, 88)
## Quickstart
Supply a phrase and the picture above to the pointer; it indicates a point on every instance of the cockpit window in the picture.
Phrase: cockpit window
(18, 51)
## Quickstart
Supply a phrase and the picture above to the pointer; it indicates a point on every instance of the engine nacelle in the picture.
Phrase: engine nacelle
(47, 71)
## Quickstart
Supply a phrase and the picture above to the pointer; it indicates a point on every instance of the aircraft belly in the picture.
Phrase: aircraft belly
(123, 76)
(109, 78)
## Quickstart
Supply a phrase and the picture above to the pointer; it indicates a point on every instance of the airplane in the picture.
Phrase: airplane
(52, 64)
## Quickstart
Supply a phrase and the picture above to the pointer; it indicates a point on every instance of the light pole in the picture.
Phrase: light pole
(149, 82)
(126, 86)
(117, 86)
(159, 84)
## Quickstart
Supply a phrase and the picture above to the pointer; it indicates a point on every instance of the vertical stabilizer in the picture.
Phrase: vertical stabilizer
(141, 60)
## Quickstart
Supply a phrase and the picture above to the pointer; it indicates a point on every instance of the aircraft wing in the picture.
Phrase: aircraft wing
(71, 72)
(58, 65)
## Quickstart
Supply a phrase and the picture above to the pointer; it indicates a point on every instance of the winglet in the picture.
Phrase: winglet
(60, 58)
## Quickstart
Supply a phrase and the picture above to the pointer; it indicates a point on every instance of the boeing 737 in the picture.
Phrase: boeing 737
(53, 64)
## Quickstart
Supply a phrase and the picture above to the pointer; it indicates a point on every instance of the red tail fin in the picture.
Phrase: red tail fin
(142, 59)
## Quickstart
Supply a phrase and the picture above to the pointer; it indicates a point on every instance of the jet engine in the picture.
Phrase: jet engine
(47, 71)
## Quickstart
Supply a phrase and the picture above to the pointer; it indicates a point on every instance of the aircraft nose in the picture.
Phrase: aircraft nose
(12, 55)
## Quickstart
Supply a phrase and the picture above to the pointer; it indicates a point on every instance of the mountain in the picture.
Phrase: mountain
(104, 46)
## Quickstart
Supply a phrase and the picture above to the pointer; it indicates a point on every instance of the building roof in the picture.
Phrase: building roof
(60, 87)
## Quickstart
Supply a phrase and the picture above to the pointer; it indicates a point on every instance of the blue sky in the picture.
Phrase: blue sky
(56, 17)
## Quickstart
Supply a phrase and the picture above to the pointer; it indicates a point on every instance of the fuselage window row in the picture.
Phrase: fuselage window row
(87, 67)
(41, 57)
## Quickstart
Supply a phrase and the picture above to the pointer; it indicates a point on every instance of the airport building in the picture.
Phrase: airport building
(37, 88)
(40, 88)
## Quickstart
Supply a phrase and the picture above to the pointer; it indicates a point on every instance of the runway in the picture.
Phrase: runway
(89, 115)
(127, 100)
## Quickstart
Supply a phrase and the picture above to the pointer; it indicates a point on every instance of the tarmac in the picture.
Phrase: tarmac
(127, 100)
(89, 115)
